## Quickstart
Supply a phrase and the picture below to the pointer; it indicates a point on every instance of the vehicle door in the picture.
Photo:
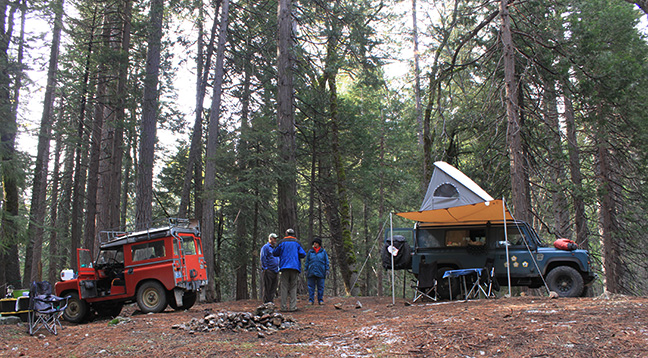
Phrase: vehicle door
(190, 261)
(520, 250)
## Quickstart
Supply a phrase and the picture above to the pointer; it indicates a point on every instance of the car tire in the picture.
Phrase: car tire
(77, 309)
(151, 297)
(565, 281)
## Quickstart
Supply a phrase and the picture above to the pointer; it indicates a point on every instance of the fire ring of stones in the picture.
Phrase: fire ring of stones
(264, 319)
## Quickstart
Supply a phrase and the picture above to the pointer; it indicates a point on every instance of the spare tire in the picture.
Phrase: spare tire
(403, 258)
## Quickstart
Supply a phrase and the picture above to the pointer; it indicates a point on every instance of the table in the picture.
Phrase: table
(462, 274)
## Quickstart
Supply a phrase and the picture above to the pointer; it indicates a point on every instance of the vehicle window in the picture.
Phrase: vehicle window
(429, 238)
(455, 238)
(188, 245)
(110, 256)
(515, 237)
(477, 238)
(149, 250)
(446, 190)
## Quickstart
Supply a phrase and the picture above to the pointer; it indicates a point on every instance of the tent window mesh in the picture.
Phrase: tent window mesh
(446, 190)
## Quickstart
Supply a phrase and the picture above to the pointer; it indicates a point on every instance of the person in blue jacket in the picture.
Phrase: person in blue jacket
(290, 253)
(317, 267)
(270, 267)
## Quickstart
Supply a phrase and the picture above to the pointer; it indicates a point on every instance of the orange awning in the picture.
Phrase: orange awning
(479, 213)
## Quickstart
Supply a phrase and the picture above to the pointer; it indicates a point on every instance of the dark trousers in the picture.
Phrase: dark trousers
(270, 281)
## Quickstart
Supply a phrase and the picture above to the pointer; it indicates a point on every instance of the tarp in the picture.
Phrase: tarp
(479, 213)
(449, 187)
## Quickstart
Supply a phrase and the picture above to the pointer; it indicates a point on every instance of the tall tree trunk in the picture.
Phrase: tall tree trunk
(514, 132)
(110, 170)
(562, 225)
(35, 231)
(195, 150)
(417, 75)
(80, 156)
(243, 248)
(580, 219)
(9, 265)
(144, 200)
(54, 246)
(210, 155)
(94, 213)
(287, 181)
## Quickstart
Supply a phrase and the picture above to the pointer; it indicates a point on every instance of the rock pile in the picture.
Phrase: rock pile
(264, 319)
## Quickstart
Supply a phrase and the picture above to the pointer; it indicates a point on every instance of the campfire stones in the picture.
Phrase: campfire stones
(265, 318)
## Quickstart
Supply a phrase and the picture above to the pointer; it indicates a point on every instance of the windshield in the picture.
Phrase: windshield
(112, 255)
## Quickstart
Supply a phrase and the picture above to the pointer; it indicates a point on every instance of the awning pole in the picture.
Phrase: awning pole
(508, 263)
(391, 235)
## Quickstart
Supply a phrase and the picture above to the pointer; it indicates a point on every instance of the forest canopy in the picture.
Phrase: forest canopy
(321, 116)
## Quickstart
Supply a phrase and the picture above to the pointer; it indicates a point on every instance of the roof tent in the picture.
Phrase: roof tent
(453, 198)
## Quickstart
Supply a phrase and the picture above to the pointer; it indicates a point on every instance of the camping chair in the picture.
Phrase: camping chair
(426, 286)
(488, 280)
(45, 309)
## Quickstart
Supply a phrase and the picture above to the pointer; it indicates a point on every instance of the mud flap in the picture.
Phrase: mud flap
(178, 293)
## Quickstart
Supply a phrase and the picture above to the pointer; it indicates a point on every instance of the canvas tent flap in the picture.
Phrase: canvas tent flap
(449, 187)
(479, 213)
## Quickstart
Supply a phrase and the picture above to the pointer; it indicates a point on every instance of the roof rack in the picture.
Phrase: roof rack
(107, 236)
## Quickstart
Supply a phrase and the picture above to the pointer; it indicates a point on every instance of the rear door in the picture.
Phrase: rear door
(191, 259)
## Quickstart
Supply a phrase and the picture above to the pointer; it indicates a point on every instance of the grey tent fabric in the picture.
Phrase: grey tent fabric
(449, 187)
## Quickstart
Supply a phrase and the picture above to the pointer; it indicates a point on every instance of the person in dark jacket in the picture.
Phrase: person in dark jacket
(290, 253)
(317, 267)
(270, 267)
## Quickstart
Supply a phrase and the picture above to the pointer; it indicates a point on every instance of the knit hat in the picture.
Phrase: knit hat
(317, 240)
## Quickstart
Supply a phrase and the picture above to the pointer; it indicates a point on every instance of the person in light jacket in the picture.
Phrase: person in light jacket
(317, 267)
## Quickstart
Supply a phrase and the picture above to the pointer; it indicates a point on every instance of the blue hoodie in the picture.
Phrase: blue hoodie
(289, 252)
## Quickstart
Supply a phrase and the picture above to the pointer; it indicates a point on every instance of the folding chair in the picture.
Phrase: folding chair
(45, 309)
(426, 286)
(489, 282)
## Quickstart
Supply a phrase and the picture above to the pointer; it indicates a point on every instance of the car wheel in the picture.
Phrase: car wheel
(77, 309)
(565, 281)
(151, 297)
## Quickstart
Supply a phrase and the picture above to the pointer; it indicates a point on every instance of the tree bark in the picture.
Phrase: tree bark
(608, 220)
(287, 181)
(195, 150)
(53, 268)
(514, 131)
(213, 133)
(35, 231)
(417, 75)
(580, 218)
(9, 264)
(562, 224)
(148, 128)
(80, 156)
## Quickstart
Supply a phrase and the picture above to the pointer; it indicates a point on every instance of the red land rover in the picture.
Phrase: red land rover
(154, 267)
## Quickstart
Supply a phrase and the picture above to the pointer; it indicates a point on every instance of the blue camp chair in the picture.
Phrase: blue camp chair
(45, 309)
